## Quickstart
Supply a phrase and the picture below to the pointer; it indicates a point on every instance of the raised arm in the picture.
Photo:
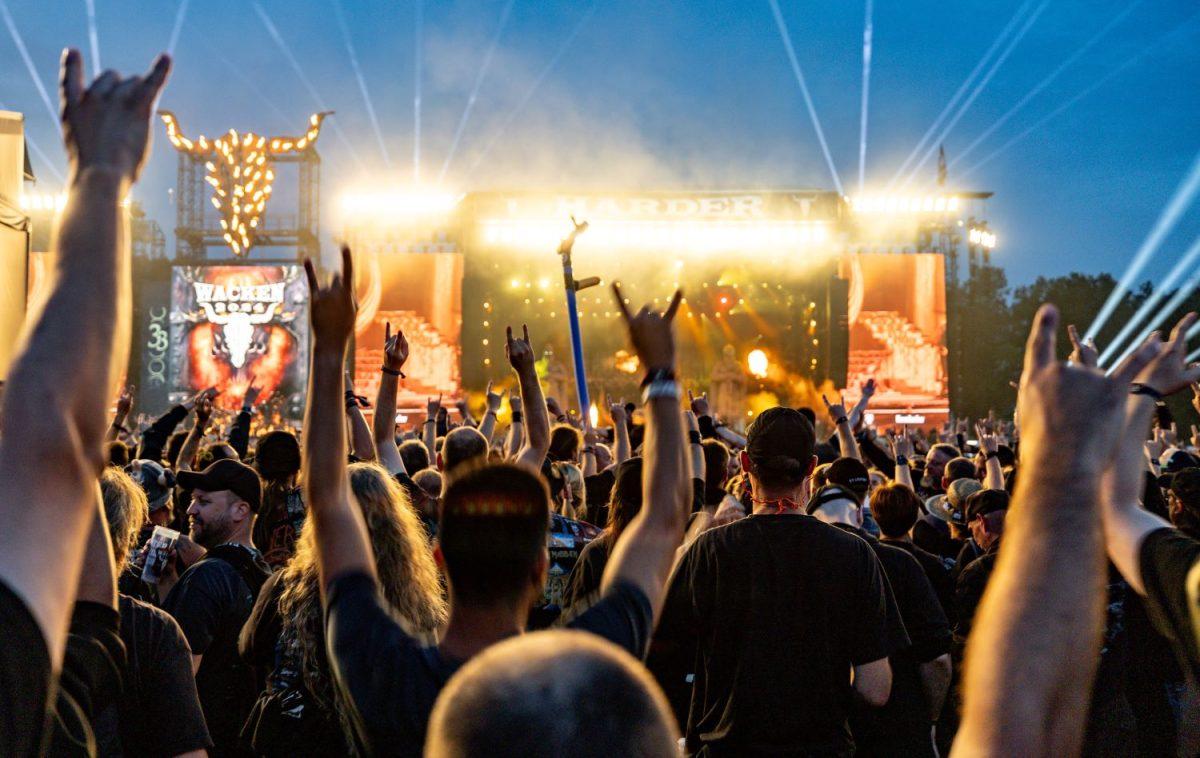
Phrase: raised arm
(516, 431)
(487, 427)
(383, 426)
(341, 535)
(239, 430)
(695, 450)
(60, 384)
(124, 403)
(643, 555)
(620, 422)
(845, 435)
(990, 446)
(902, 451)
(537, 420)
(191, 443)
(429, 428)
(1032, 655)
(361, 443)
(1126, 523)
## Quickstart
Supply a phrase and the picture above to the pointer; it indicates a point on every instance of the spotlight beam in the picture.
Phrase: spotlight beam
(417, 57)
(868, 33)
(479, 77)
(1180, 30)
(808, 103)
(1182, 266)
(93, 36)
(362, 82)
(1182, 294)
(1162, 227)
(308, 85)
(962, 110)
(1046, 82)
(33, 74)
(177, 27)
(962, 90)
(562, 48)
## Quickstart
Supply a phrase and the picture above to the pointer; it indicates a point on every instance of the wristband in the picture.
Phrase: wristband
(561, 418)
(518, 417)
(589, 450)
(658, 375)
(693, 437)
(430, 421)
(661, 388)
(1137, 388)
(901, 460)
(392, 372)
(841, 420)
(992, 454)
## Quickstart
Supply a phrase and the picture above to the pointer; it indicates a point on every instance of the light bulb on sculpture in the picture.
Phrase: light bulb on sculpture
(757, 363)
(239, 168)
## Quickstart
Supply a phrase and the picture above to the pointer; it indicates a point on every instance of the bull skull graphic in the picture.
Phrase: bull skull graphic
(239, 168)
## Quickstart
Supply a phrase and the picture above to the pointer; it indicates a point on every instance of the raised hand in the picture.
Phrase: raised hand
(125, 401)
(332, 308)
(988, 443)
(395, 348)
(433, 406)
(493, 399)
(837, 411)
(107, 125)
(616, 412)
(519, 351)
(901, 445)
(1169, 372)
(699, 404)
(650, 332)
(204, 410)
(252, 393)
(554, 409)
(868, 388)
(514, 403)
(1082, 353)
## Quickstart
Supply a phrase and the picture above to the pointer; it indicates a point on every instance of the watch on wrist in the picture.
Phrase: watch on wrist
(1137, 388)
(661, 388)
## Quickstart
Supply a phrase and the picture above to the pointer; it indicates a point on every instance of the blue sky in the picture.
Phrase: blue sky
(680, 93)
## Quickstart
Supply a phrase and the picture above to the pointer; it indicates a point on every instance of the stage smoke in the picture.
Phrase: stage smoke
(808, 103)
(562, 48)
(868, 32)
(1045, 82)
(1166, 222)
(362, 83)
(962, 89)
(479, 77)
(1185, 264)
(962, 111)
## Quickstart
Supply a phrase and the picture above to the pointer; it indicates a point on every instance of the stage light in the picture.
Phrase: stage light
(43, 201)
(757, 363)
(982, 237)
(594, 416)
(895, 204)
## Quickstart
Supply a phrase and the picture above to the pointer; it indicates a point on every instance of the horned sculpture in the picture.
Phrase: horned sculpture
(239, 168)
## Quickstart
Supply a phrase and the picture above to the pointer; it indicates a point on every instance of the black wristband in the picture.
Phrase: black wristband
(658, 375)
(392, 372)
(693, 437)
(518, 417)
(1137, 388)
(841, 420)
(901, 460)
(991, 455)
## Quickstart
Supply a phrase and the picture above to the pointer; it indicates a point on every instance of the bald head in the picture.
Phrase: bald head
(552, 693)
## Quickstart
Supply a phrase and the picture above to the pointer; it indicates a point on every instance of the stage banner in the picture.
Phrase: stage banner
(231, 326)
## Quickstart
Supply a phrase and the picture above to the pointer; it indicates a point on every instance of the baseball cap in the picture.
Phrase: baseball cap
(154, 480)
(1177, 460)
(830, 493)
(956, 498)
(984, 502)
(780, 444)
(851, 474)
(226, 474)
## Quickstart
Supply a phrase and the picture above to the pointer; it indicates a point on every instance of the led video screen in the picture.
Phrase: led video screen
(231, 326)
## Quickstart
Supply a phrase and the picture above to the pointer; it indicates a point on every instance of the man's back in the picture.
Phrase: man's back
(781, 606)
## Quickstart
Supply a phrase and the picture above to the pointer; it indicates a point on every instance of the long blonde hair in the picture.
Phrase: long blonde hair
(408, 578)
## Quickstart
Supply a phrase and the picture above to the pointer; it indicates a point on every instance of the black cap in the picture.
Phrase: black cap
(780, 445)
(226, 474)
(851, 474)
(984, 502)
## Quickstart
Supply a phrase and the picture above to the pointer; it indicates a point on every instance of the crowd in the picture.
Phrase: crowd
(810, 588)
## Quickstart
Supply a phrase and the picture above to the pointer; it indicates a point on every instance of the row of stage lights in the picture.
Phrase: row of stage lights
(903, 204)
(697, 236)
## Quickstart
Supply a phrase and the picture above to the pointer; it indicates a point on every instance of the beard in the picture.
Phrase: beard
(210, 532)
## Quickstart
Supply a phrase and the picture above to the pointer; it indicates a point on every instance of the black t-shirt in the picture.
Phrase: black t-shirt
(393, 679)
(587, 572)
(598, 488)
(90, 681)
(969, 589)
(1170, 563)
(937, 571)
(933, 535)
(901, 727)
(211, 602)
(26, 679)
(781, 607)
(158, 712)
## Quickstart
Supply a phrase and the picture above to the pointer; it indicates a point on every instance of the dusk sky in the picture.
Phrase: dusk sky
(677, 94)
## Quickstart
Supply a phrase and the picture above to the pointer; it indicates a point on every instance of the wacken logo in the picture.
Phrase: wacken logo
(237, 309)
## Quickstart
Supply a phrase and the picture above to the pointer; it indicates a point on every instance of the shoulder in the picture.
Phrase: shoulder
(897, 559)
(146, 622)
